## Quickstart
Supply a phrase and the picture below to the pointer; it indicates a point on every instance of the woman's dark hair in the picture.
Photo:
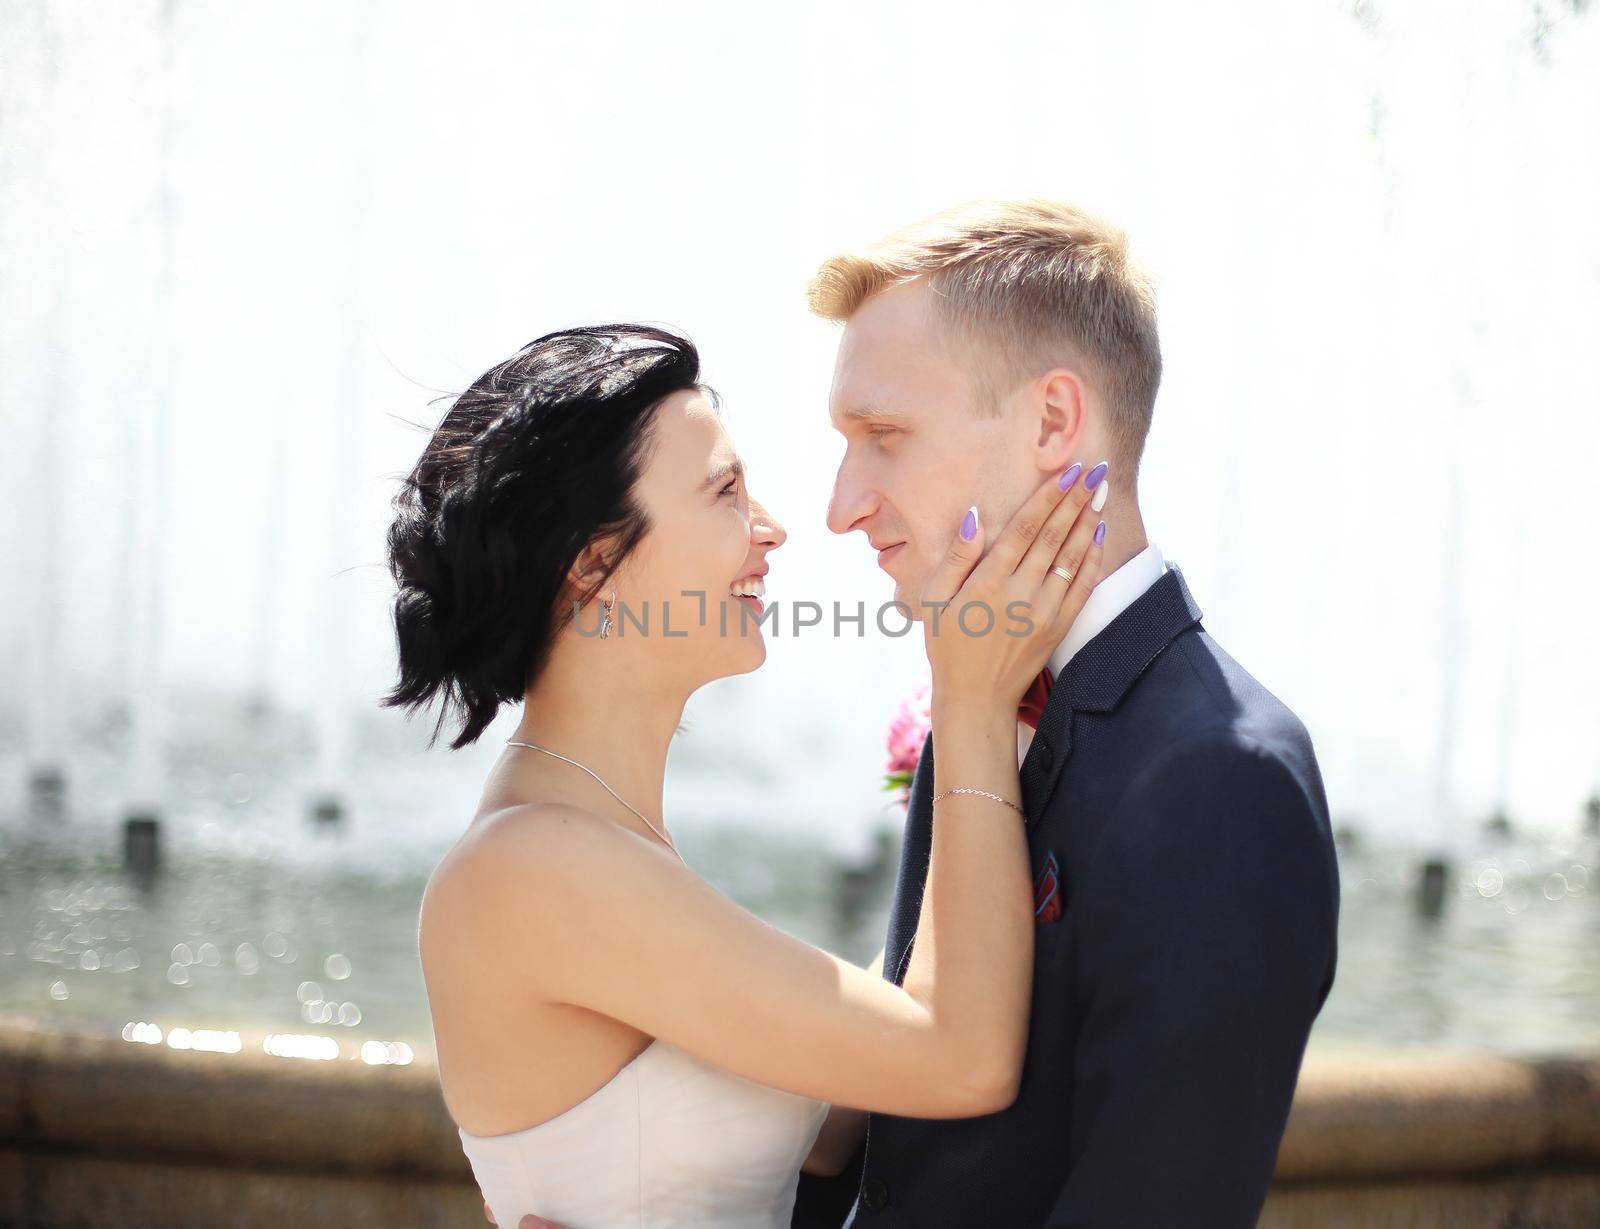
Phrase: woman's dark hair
(533, 462)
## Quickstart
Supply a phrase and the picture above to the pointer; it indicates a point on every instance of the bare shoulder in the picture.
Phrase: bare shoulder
(542, 865)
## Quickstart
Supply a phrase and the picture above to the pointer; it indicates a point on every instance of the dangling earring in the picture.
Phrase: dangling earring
(605, 615)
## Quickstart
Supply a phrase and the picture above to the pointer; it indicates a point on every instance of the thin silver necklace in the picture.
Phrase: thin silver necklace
(511, 742)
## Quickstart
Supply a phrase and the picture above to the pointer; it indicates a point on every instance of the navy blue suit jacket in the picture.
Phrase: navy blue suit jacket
(1174, 996)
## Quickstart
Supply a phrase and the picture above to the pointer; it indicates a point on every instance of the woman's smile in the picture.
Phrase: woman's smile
(750, 590)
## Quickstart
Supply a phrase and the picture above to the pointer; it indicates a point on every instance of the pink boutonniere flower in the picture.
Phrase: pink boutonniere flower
(907, 732)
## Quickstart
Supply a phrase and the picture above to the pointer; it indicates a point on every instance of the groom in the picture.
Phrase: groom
(1187, 894)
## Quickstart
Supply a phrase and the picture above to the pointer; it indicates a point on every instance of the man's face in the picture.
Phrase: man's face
(918, 453)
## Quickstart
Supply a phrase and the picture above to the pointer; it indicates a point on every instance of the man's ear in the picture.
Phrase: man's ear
(1063, 412)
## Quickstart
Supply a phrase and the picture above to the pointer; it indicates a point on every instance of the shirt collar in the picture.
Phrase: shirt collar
(1114, 594)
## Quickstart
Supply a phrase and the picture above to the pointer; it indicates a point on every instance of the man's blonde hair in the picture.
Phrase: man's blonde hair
(1026, 285)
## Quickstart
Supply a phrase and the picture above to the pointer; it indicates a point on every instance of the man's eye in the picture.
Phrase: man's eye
(731, 489)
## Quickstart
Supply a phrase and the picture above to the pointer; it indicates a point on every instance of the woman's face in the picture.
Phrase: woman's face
(708, 538)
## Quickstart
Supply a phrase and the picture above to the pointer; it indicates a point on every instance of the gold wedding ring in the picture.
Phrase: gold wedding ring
(1063, 573)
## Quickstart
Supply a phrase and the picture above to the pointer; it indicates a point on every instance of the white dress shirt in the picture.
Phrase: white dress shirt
(1114, 594)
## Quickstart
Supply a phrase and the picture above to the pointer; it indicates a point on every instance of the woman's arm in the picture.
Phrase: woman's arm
(610, 921)
(614, 923)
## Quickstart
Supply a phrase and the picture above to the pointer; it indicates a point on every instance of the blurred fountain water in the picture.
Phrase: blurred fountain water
(41, 379)
(243, 246)
(225, 290)
(150, 399)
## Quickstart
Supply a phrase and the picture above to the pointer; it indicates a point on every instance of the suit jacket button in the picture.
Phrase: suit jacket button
(1047, 757)
(874, 1194)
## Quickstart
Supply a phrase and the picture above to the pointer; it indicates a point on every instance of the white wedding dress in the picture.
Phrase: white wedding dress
(669, 1142)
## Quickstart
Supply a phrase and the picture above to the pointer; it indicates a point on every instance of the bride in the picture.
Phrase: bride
(618, 1042)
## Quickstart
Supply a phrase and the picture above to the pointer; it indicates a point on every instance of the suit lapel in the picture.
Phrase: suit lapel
(1099, 675)
(1096, 679)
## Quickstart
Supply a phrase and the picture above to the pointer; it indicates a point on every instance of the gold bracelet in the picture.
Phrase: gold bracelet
(983, 793)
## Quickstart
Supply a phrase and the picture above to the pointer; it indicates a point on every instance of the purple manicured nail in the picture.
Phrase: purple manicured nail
(1100, 534)
(969, 525)
(1095, 474)
(1071, 476)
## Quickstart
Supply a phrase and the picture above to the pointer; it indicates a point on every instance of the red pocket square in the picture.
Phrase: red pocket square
(1047, 890)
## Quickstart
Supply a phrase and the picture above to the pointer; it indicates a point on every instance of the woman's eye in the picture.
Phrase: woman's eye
(878, 433)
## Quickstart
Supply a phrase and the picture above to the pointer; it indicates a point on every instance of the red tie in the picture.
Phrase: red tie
(1033, 700)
